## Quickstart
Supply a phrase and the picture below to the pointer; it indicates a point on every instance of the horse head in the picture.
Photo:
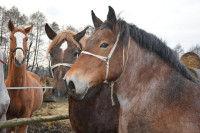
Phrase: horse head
(64, 50)
(18, 43)
(93, 67)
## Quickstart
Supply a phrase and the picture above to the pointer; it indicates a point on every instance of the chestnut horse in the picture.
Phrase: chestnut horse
(23, 102)
(4, 97)
(87, 116)
(156, 92)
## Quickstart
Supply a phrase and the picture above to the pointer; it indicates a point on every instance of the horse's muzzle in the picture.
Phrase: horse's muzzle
(19, 58)
(19, 62)
(75, 90)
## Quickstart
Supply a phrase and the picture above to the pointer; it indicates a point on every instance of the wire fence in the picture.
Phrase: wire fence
(45, 87)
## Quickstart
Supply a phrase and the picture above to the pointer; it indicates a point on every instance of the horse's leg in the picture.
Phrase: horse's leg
(23, 129)
(12, 129)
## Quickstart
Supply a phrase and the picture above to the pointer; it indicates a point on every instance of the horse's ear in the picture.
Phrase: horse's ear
(28, 29)
(10, 26)
(50, 33)
(111, 18)
(96, 21)
(81, 34)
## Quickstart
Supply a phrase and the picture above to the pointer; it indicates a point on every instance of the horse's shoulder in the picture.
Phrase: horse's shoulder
(34, 76)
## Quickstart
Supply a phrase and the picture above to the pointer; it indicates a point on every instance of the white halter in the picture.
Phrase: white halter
(59, 64)
(106, 59)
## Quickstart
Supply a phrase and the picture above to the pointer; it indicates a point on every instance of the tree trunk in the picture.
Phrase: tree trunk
(28, 54)
(35, 52)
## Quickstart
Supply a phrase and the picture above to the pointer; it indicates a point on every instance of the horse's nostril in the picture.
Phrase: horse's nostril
(16, 61)
(71, 86)
(53, 91)
(73, 91)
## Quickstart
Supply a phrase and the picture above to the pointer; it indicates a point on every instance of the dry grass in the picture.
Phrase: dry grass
(62, 126)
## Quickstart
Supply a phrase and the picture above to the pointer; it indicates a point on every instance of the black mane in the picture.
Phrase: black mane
(151, 43)
(154, 44)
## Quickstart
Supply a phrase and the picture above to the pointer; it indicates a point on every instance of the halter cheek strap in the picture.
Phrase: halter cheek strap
(106, 59)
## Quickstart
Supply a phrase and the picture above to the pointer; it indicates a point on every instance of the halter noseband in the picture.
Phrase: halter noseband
(14, 50)
(59, 64)
(106, 59)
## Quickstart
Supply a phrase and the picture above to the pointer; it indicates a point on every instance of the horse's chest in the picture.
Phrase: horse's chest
(133, 119)
(139, 124)
(19, 106)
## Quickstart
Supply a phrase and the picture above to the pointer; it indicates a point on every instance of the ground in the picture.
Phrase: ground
(51, 108)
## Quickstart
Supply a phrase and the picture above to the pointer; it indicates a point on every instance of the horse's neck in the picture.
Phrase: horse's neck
(17, 75)
(143, 75)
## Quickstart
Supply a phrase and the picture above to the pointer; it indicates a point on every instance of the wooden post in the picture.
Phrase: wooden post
(33, 120)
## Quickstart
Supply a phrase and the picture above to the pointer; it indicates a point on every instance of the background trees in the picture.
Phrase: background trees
(38, 41)
(179, 50)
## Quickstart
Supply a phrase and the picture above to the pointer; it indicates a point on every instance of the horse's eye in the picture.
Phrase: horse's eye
(10, 38)
(27, 39)
(104, 45)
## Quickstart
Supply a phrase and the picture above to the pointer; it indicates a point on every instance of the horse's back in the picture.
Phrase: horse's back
(34, 76)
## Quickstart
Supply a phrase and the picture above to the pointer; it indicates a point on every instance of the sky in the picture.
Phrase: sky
(174, 21)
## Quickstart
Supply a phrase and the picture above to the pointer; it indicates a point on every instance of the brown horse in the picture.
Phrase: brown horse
(156, 92)
(23, 102)
(87, 116)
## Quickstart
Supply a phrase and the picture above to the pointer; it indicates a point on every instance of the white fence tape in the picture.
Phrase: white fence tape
(45, 87)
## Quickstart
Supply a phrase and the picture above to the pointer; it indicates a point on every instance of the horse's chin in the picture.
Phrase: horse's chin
(89, 94)
(19, 65)
(79, 97)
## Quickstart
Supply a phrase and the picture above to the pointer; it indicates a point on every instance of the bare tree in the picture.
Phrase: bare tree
(55, 27)
(39, 20)
(90, 30)
(179, 50)
(19, 19)
(70, 27)
(195, 49)
(2, 25)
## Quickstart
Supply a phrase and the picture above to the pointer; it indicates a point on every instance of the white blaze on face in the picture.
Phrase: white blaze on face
(64, 46)
(19, 40)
